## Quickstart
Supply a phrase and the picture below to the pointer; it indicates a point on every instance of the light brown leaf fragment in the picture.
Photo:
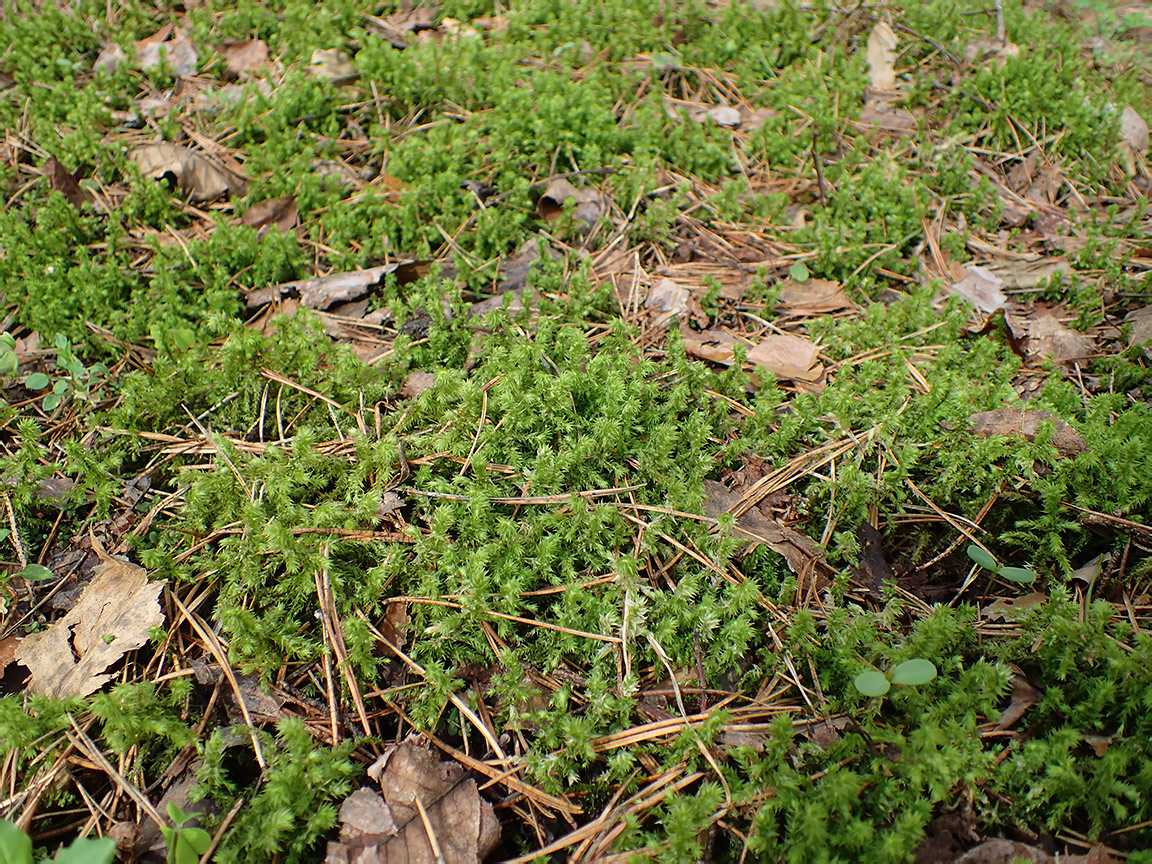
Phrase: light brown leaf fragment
(195, 174)
(1023, 423)
(1024, 696)
(243, 57)
(110, 57)
(715, 346)
(1133, 129)
(66, 184)
(429, 812)
(416, 383)
(667, 300)
(112, 617)
(333, 65)
(324, 292)
(279, 213)
(590, 204)
(788, 356)
(1009, 608)
(179, 51)
(1049, 337)
(887, 116)
(813, 296)
(979, 286)
(882, 43)
(1141, 321)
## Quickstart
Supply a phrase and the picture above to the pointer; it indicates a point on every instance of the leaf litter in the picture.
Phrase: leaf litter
(704, 280)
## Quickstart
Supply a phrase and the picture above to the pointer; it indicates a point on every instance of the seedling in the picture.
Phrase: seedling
(80, 381)
(16, 848)
(910, 673)
(185, 845)
(1013, 574)
(8, 360)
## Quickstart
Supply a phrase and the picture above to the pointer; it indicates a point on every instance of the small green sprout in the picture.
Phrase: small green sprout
(982, 557)
(910, 673)
(16, 848)
(185, 845)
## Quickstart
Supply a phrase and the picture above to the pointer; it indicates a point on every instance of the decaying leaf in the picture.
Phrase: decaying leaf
(1011, 852)
(666, 301)
(333, 65)
(979, 286)
(1024, 696)
(1141, 321)
(882, 44)
(66, 184)
(109, 58)
(195, 174)
(171, 44)
(590, 204)
(324, 292)
(1008, 608)
(800, 552)
(1049, 337)
(1023, 423)
(715, 346)
(416, 383)
(813, 296)
(279, 213)
(885, 115)
(788, 356)
(428, 812)
(112, 617)
(702, 112)
(1133, 129)
(243, 57)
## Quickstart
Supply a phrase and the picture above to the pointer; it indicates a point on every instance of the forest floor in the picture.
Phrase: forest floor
(588, 431)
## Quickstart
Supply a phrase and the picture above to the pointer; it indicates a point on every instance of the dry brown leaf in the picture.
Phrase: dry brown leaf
(1141, 321)
(334, 169)
(429, 812)
(788, 356)
(667, 300)
(812, 296)
(1007, 608)
(1049, 337)
(882, 43)
(885, 115)
(590, 204)
(1022, 423)
(179, 51)
(1133, 129)
(333, 65)
(279, 213)
(979, 286)
(416, 383)
(1021, 275)
(195, 174)
(66, 184)
(112, 617)
(8, 647)
(109, 58)
(715, 346)
(323, 292)
(702, 112)
(981, 50)
(1024, 696)
(243, 57)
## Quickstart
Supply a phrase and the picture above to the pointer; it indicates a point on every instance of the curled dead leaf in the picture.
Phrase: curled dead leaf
(1047, 336)
(788, 356)
(279, 213)
(172, 45)
(590, 204)
(333, 65)
(195, 174)
(243, 57)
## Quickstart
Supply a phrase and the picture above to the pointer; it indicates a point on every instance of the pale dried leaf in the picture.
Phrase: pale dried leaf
(243, 57)
(1141, 321)
(885, 115)
(109, 58)
(590, 204)
(1023, 423)
(1024, 696)
(417, 382)
(715, 346)
(1049, 337)
(979, 286)
(1008, 608)
(788, 356)
(812, 296)
(1134, 129)
(667, 300)
(179, 51)
(333, 65)
(195, 174)
(882, 43)
(801, 553)
(389, 828)
(112, 617)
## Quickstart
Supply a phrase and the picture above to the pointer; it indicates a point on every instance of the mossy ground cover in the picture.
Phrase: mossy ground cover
(648, 409)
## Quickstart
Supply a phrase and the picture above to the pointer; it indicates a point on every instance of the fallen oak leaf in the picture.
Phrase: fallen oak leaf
(112, 617)
(1047, 336)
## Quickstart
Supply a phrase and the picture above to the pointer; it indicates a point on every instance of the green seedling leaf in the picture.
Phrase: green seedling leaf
(1017, 574)
(52, 401)
(913, 672)
(982, 557)
(37, 381)
(87, 850)
(36, 573)
(871, 683)
(8, 363)
(799, 272)
(197, 839)
(15, 845)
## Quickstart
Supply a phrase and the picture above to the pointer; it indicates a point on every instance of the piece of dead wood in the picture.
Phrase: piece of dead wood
(1024, 423)
(112, 617)
(881, 55)
(324, 292)
(200, 177)
(427, 812)
(788, 356)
